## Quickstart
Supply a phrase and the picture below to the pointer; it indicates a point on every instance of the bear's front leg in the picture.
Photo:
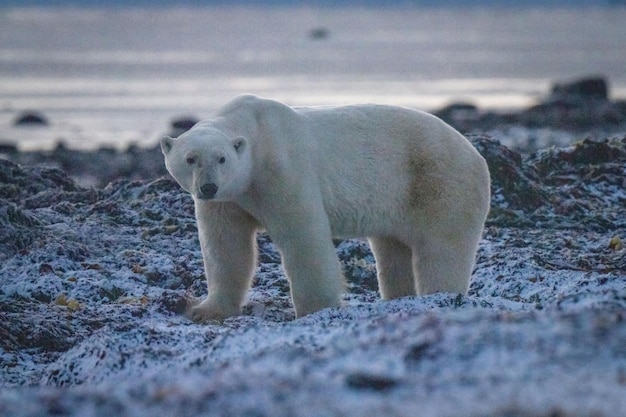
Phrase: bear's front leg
(304, 239)
(228, 241)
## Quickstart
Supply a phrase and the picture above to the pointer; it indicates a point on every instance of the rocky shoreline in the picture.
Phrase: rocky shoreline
(573, 111)
(93, 282)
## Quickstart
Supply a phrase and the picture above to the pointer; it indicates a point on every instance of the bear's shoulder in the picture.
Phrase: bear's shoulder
(250, 103)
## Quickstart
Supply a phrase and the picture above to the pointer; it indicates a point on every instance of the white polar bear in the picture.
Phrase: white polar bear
(403, 178)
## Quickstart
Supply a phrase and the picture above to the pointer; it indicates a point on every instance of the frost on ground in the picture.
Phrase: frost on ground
(93, 285)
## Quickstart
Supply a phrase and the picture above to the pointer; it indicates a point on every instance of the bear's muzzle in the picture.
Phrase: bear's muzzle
(207, 191)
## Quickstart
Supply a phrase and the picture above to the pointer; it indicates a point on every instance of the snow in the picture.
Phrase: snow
(92, 314)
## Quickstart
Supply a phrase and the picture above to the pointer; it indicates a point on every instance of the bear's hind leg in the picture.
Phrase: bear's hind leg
(444, 265)
(394, 268)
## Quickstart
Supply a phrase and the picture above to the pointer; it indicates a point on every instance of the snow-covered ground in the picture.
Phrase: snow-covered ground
(93, 286)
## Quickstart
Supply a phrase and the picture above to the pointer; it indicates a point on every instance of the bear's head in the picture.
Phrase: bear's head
(208, 164)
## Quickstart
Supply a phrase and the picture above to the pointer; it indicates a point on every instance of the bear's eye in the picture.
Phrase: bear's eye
(221, 160)
(191, 160)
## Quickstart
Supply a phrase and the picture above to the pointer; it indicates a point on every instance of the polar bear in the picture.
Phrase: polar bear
(404, 179)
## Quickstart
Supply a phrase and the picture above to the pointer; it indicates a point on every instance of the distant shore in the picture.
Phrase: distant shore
(575, 110)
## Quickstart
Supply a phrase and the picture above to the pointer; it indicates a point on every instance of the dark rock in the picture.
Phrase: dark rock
(18, 229)
(585, 153)
(363, 381)
(460, 115)
(18, 183)
(100, 167)
(183, 124)
(490, 119)
(620, 107)
(569, 114)
(517, 184)
(31, 119)
(319, 33)
(42, 331)
(8, 148)
(596, 152)
(421, 351)
(454, 109)
(580, 104)
(570, 188)
(10, 176)
(572, 113)
(584, 88)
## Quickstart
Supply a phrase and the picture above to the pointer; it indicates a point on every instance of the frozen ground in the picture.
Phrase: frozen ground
(93, 281)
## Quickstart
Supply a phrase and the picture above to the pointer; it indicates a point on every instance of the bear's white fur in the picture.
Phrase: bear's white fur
(402, 178)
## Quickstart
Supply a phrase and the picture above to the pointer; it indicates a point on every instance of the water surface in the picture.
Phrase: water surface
(115, 76)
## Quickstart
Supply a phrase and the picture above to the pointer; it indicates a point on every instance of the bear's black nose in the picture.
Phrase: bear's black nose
(208, 190)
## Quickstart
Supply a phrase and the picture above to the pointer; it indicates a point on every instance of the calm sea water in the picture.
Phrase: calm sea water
(118, 76)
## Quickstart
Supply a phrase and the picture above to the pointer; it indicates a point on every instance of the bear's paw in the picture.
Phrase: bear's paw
(207, 310)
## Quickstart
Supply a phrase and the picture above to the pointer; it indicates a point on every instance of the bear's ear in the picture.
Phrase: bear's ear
(166, 144)
(239, 144)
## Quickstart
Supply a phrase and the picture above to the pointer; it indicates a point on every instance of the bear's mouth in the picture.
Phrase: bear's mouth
(207, 191)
